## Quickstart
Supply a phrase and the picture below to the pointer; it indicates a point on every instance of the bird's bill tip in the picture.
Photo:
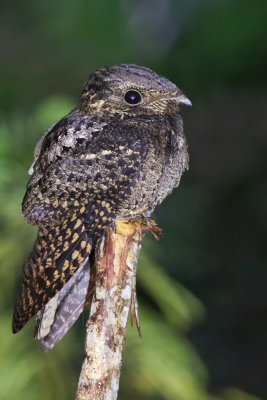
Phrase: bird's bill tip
(184, 100)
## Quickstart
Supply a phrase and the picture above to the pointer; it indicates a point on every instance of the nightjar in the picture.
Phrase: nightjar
(117, 155)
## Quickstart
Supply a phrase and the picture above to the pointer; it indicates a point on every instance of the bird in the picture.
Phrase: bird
(117, 155)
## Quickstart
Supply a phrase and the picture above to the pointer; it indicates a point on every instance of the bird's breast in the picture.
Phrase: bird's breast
(164, 164)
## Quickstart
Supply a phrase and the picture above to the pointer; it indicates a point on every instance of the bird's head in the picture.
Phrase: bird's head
(130, 89)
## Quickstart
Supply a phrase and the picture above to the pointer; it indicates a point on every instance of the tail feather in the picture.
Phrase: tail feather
(57, 254)
(62, 311)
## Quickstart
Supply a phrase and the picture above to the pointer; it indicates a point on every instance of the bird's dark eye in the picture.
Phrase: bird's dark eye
(133, 97)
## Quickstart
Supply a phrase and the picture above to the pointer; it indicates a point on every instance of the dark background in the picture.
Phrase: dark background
(203, 287)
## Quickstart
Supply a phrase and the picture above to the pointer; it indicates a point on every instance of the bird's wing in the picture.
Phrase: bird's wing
(73, 203)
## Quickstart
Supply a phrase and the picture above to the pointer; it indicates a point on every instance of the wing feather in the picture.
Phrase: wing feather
(73, 200)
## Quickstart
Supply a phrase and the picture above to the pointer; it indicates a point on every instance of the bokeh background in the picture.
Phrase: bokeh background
(203, 287)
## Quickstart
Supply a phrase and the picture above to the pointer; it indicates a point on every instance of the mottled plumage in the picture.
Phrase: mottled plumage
(107, 159)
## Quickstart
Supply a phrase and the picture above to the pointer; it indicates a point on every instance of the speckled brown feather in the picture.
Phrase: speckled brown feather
(104, 160)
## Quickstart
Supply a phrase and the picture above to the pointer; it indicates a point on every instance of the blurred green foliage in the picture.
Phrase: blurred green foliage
(202, 288)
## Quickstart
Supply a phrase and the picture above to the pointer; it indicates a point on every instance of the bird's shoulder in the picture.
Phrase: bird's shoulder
(79, 134)
(87, 167)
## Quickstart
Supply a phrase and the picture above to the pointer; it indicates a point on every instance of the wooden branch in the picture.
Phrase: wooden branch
(116, 260)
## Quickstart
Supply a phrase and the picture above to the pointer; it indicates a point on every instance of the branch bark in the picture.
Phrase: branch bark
(115, 282)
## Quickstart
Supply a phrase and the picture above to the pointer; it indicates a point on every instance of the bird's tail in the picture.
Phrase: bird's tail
(62, 311)
(58, 253)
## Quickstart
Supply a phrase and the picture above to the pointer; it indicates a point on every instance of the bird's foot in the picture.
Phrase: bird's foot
(147, 224)
(150, 225)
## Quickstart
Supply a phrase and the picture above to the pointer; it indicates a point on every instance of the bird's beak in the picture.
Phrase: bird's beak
(177, 97)
(181, 98)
